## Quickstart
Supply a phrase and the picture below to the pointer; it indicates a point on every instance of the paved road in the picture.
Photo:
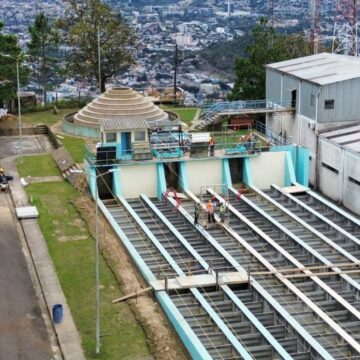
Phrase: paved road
(23, 333)
(22, 330)
(11, 146)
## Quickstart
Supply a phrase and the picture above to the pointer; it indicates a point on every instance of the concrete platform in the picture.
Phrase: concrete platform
(204, 280)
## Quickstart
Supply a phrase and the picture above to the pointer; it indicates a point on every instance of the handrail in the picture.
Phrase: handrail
(208, 110)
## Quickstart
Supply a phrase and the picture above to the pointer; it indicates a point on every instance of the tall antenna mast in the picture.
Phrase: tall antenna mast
(345, 28)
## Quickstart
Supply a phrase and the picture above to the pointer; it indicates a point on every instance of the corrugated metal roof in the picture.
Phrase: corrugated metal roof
(321, 68)
(349, 137)
(123, 123)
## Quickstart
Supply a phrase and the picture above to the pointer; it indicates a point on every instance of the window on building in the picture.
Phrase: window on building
(354, 181)
(326, 166)
(329, 104)
(139, 135)
(111, 137)
(312, 100)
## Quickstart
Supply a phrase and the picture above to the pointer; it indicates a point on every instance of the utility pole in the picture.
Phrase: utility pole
(315, 32)
(99, 59)
(175, 70)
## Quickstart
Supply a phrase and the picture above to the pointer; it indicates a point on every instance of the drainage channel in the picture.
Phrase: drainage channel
(296, 245)
(305, 316)
(344, 229)
(209, 328)
(265, 307)
(338, 216)
(336, 251)
(173, 231)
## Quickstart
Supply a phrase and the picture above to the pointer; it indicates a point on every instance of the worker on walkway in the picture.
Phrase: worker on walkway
(210, 212)
(212, 146)
(222, 212)
(196, 213)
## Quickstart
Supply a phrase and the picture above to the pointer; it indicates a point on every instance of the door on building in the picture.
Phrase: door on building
(125, 143)
(293, 98)
(104, 182)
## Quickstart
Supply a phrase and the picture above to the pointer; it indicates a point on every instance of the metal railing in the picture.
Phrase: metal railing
(271, 135)
(209, 110)
(163, 152)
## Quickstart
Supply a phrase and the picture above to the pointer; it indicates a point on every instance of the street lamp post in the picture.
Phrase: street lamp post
(97, 272)
(17, 58)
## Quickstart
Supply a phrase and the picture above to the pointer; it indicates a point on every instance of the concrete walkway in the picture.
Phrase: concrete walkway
(195, 119)
(41, 179)
(66, 332)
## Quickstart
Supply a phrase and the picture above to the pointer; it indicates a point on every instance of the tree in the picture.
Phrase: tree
(267, 46)
(84, 20)
(43, 47)
(8, 84)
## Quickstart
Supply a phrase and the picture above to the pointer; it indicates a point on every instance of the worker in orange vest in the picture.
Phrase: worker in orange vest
(210, 212)
(212, 146)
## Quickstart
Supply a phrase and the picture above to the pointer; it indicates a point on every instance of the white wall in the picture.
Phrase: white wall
(203, 173)
(330, 183)
(267, 169)
(351, 191)
(137, 179)
(297, 129)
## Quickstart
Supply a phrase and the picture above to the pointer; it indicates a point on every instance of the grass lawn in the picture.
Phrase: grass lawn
(39, 165)
(75, 147)
(46, 117)
(186, 114)
(73, 252)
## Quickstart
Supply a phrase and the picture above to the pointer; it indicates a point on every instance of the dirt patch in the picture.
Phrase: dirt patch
(163, 341)
(71, 238)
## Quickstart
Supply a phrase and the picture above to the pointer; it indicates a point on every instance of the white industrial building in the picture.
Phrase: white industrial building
(324, 90)
(339, 165)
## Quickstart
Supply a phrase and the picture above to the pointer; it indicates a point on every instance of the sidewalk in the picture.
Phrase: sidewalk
(67, 334)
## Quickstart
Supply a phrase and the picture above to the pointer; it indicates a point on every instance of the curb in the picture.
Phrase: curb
(66, 332)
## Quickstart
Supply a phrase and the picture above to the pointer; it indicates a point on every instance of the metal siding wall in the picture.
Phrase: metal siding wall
(273, 85)
(289, 84)
(306, 108)
(347, 106)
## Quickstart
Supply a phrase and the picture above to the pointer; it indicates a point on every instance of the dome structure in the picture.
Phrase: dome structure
(119, 102)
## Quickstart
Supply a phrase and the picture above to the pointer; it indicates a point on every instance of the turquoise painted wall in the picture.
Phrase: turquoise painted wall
(289, 148)
(183, 176)
(302, 166)
(117, 182)
(92, 181)
(290, 177)
(80, 130)
(226, 175)
(161, 181)
(300, 163)
(247, 177)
